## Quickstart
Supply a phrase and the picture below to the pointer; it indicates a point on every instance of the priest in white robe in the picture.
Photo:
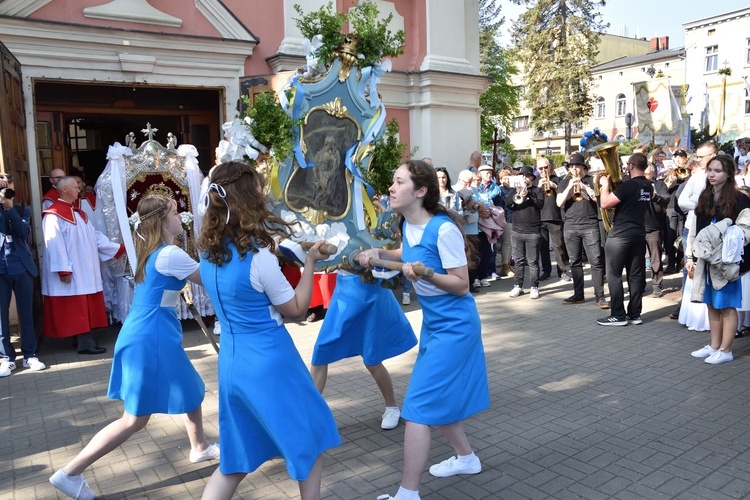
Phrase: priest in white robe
(71, 277)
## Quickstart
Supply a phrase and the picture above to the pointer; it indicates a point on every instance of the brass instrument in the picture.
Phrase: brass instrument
(519, 196)
(547, 186)
(682, 173)
(577, 194)
(611, 161)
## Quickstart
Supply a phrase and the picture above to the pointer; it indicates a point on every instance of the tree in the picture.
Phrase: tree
(556, 42)
(500, 101)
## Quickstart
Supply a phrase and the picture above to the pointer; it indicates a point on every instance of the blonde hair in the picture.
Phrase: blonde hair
(152, 210)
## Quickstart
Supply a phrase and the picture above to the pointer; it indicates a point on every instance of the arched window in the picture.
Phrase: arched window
(621, 105)
(601, 107)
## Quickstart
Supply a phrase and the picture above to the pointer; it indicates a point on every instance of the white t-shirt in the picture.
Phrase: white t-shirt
(450, 246)
(174, 261)
(266, 277)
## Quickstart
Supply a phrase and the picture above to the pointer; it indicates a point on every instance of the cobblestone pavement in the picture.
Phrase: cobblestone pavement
(577, 411)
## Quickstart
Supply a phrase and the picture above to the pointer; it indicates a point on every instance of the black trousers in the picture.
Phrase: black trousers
(526, 252)
(553, 231)
(577, 242)
(628, 254)
(485, 256)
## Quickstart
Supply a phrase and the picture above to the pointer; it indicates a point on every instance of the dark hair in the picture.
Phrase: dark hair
(447, 178)
(708, 144)
(639, 161)
(726, 202)
(251, 225)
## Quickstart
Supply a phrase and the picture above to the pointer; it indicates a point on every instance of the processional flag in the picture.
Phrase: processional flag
(656, 106)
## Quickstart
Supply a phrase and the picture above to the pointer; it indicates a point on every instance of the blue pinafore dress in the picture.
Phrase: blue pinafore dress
(449, 380)
(362, 320)
(268, 404)
(151, 373)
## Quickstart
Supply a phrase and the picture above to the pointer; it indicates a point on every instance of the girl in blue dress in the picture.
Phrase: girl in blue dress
(449, 380)
(268, 405)
(151, 372)
(720, 199)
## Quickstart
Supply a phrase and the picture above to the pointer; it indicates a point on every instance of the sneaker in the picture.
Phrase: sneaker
(704, 352)
(210, 453)
(406, 299)
(390, 418)
(602, 303)
(6, 366)
(573, 300)
(719, 357)
(495, 277)
(73, 486)
(648, 264)
(612, 321)
(217, 327)
(534, 293)
(634, 320)
(565, 277)
(658, 293)
(34, 364)
(484, 282)
(454, 466)
(517, 290)
(477, 284)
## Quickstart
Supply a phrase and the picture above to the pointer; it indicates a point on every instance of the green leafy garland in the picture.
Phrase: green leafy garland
(272, 126)
(375, 40)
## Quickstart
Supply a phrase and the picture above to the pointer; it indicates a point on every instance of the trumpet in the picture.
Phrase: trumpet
(519, 196)
(547, 186)
(577, 194)
(682, 173)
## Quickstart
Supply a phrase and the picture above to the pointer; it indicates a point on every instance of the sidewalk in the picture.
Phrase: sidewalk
(577, 411)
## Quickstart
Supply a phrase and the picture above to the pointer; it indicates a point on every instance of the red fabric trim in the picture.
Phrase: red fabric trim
(120, 251)
(92, 199)
(66, 211)
(51, 195)
(69, 316)
(64, 273)
(323, 285)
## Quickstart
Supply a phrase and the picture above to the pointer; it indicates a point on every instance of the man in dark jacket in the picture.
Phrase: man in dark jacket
(655, 221)
(526, 202)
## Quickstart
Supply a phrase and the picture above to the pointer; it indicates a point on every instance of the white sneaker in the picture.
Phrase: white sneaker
(34, 364)
(210, 453)
(484, 282)
(477, 284)
(565, 277)
(719, 357)
(454, 466)
(390, 418)
(406, 299)
(73, 486)
(704, 352)
(517, 290)
(217, 327)
(6, 366)
(534, 293)
(495, 277)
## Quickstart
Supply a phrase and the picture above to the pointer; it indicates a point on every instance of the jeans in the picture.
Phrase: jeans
(553, 231)
(628, 254)
(23, 287)
(577, 241)
(526, 252)
(485, 256)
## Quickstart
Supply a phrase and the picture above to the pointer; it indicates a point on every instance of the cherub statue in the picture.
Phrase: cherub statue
(171, 141)
(130, 141)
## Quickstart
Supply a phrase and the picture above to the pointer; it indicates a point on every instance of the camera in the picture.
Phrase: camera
(7, 193)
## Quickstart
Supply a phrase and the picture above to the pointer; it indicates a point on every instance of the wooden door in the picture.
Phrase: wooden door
(14, 159)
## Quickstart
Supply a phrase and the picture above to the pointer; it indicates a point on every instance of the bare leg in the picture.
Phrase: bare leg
(383, 379)
(105, 441)
(320, 375)
(222, 486)
(714, 321)
(309, 489)
(456, 436)
(194, 426)
(729, 320)
(417, 438)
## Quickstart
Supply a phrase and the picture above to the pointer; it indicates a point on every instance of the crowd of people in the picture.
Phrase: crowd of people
(486, 226)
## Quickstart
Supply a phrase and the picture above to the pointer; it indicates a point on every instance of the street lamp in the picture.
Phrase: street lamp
(549, 141)
(629, 125)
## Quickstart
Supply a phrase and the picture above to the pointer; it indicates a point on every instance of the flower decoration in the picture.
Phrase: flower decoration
(187, 220)
(651, 71)
(134, 221)
(725, 71)
(593, 138)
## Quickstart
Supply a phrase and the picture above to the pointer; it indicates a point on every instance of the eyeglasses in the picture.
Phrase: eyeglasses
(6, 177)
(55, 176)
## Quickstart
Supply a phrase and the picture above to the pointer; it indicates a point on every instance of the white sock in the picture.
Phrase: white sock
(467, 459)
(391, 408)
(404, 494)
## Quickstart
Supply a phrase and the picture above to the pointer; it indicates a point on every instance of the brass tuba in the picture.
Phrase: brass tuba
(611, 161)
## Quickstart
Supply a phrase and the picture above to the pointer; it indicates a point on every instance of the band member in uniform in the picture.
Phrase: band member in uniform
(526, 202)
(577, 198)
(626, 244)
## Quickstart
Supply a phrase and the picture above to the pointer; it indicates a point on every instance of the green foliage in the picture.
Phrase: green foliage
(387, 156)
(556, 42)
(528, 161)
(375, 39)
(626, 148)
(272, 126)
